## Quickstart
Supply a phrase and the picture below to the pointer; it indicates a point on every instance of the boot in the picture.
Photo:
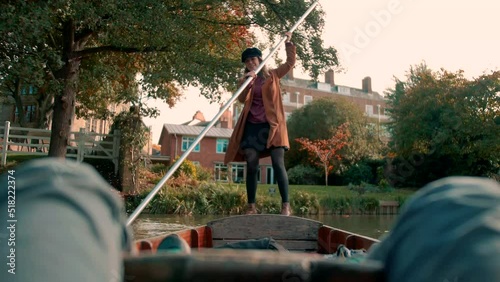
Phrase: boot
(285, 209)
(251, 209)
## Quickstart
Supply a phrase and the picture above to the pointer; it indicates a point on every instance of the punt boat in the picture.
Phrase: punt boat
(299, 249)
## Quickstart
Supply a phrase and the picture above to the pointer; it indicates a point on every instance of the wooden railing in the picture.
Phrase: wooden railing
(82, 144)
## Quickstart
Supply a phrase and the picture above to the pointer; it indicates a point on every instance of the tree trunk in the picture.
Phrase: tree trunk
(326, 175)
(19, 103)
(64, 104)
(45, 106)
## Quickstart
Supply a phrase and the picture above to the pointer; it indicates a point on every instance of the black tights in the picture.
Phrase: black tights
(278, 161)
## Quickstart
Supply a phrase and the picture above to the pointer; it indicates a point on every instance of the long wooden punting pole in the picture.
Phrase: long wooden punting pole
(176, 165)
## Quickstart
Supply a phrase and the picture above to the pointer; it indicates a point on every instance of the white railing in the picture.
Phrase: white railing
(381, 117)
(82, 144)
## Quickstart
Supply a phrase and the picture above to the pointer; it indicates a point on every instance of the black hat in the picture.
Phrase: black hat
(250, 53)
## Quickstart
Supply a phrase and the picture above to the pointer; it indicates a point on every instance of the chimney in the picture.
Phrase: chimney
(289, 75)
(199, 116)
(330, 77)
(226, 120)
(367, 84)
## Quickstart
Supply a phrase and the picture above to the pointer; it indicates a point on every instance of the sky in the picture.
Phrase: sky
(383, 39)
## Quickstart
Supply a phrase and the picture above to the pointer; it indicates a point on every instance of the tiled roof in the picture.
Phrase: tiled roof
(197, 123)
(190, 130)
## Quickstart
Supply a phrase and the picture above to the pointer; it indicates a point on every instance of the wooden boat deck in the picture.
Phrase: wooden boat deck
(296, 234)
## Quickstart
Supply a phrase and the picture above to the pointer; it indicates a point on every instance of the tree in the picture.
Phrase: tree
(95, 49)
(444, 124)
(325, 153)
(24, 79)
(324, 116)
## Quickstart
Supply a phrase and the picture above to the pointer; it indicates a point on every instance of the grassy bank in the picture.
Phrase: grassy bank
(230, 199)
(200, 195)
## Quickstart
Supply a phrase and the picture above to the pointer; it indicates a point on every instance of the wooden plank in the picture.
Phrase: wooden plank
(204, 237)
(330, 238)
(98, 157)
(291, 245)
(278, 227)
(22, 136)
(30, 129)
(368, 271)
(237, 265)
(359, 242)
(27, 153)
(324, 242)
(39, 133)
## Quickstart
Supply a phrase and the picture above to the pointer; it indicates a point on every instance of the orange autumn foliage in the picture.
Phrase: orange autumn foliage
(325, 152)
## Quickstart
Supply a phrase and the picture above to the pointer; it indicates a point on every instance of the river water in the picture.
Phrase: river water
(369, 225)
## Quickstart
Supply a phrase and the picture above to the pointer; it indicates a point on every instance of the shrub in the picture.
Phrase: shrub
(158, 168)
(357, 173)
(402, 200)
(338, 205)
(269, 206)
(226, 200)
(367, 204)
(204, 174)
(304, 203)
(303, 175)
(363, 188)
(182, 180)
(187, 167)
(382, 181)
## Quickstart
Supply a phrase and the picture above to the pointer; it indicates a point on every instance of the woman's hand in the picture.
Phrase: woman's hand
(250, 73)
(288, 36)
(247, 75)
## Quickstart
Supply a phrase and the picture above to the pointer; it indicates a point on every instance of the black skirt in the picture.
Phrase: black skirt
(255, 136)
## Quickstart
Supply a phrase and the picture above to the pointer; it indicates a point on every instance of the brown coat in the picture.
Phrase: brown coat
(273, 104)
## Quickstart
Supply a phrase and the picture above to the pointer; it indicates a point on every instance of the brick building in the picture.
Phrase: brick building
(299, 92)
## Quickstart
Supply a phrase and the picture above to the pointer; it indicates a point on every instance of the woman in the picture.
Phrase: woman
(261, 128)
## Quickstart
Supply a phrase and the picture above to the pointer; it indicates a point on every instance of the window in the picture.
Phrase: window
(297, 95)
(222, 145)
(369, 110)
(238, 172)
(187, 141)
(220, 172)
(270, 175)
(29, 90)
(324, 86)
(29, 113)
(307, 99)
(286, 98)
(344, 90)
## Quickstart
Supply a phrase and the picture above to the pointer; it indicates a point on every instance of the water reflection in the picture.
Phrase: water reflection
(153, 225)
(373, 226)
